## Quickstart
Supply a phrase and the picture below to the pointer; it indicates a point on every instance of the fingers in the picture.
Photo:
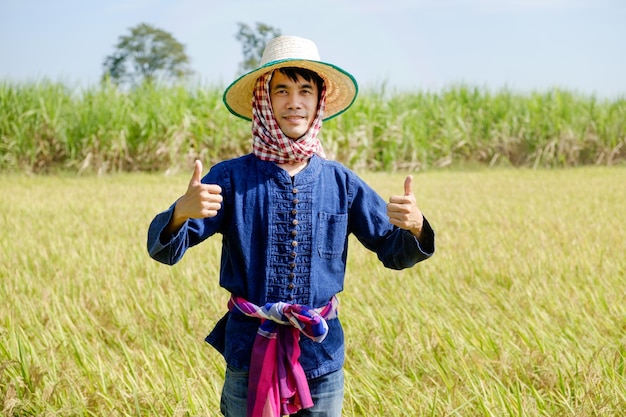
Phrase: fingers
(200, 200)
(196, 177)
(210, 205)
(402, 208)
(408, 186)
(408, 197)
(203, 190)
(403, 211)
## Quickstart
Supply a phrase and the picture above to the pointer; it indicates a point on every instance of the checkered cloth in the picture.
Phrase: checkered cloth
(269, 142)
(277, 384)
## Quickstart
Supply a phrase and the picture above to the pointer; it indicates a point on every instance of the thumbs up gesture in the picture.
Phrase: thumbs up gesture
(403, 211)
(199, 202)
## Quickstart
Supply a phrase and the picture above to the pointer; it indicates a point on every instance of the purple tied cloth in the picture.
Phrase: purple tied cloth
(277, 384)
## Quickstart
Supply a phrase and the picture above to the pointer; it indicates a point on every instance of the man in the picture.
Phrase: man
(285, 213)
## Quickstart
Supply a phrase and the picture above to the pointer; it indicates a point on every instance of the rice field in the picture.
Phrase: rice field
(521, 312)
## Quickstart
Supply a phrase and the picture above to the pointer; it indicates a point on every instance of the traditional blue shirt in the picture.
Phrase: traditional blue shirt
(286, 239)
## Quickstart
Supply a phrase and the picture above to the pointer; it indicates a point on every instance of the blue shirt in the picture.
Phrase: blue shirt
(286, 239)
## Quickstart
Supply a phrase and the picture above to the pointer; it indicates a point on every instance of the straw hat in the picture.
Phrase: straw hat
(292, 51)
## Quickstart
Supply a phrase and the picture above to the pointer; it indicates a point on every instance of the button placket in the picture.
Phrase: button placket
(294, 243)
(289, 262)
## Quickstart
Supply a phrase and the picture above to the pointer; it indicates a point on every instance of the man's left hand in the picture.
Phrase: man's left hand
(403, 211)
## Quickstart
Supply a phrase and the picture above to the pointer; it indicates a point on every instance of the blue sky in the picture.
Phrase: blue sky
(524, 45)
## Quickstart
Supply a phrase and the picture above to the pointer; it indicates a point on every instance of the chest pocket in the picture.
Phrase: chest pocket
(331, 238)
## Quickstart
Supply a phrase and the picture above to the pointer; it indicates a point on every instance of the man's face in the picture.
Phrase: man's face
(294, 104)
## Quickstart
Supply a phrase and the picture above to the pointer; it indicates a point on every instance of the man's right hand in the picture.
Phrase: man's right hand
(200, 201)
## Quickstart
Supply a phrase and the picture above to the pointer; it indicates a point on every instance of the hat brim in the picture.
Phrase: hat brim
(341, 87)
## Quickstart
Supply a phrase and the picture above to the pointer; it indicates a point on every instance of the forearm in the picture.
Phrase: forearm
(417, 232)
(164, 244)
(403, 250)
(175, 223)
(426, 238)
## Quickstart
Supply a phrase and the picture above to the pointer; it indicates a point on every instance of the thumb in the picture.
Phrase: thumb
(408, 186)
(197, 173)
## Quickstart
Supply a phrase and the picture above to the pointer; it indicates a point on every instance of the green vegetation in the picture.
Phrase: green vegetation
(48, 127)
(253, 41)
(520, 312)
(146, 55)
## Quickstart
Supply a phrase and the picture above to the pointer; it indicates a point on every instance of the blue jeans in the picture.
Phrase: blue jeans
(326, 391)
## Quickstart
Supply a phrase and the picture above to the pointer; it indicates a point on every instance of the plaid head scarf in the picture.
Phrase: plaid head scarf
(269, 141)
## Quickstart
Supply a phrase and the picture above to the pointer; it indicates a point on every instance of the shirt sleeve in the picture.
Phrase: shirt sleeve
(170, 248)
(396, 248)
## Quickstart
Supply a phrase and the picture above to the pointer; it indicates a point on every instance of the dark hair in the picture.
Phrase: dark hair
(310, 76)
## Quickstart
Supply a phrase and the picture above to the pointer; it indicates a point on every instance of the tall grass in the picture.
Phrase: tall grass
(47, 126)
(521, 312)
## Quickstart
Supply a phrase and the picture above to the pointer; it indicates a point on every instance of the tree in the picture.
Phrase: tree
(253, 43)
(146, 55)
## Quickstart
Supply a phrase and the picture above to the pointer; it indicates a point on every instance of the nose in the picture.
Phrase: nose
(293, 101)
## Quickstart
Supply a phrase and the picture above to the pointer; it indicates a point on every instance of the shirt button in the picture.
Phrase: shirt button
(294, 212)
(293, 254)
(296, 201)
(291, 286)
(291, 276)
(292, 265)
(294, 243)
(294, 232)
(295, 191)
(294, 222)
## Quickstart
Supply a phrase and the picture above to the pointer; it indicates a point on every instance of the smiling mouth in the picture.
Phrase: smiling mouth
(294, 119)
